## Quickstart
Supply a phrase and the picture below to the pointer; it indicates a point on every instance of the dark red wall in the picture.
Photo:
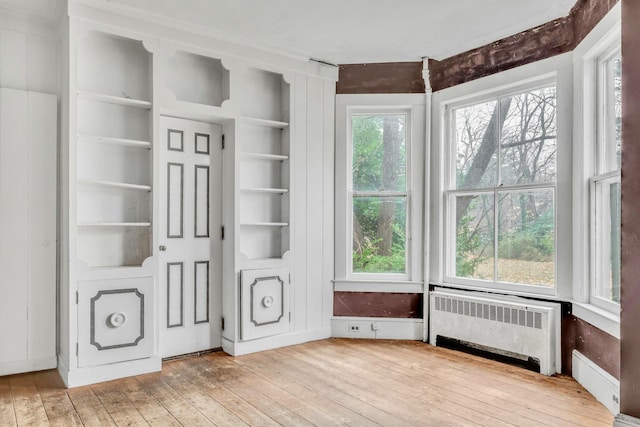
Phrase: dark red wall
(630, 272)
(374, 304)
(544, 41)
(391, 77)
(598, 346)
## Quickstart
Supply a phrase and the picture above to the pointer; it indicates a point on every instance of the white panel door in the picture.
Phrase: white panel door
(190, 235)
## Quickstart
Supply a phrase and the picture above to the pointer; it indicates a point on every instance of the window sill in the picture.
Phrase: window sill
(394, 286)
(601, 319)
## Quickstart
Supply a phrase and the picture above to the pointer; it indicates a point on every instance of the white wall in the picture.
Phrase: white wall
(28, 53)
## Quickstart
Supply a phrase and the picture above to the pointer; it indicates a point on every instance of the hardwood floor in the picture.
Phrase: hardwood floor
(324, 383)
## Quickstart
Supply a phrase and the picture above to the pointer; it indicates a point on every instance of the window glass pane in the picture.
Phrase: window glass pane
(607, 244)
(475, 137)
(528, 137)
(613, 113)
(379, 234)
(379, 152)
(474, 218)
(526, 238)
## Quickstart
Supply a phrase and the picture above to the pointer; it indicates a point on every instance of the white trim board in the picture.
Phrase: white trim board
(269, 343)
(28, 366)
(377, 328)
(604, 387)
(85, 376)
(622, 420)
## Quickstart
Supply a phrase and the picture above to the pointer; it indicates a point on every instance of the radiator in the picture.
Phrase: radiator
(511, 324)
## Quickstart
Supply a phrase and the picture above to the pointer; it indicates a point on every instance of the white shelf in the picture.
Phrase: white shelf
(114, 224)
(261, 156)
(264, 224)
(116, 185)
(263, 122)
(265, 190)
(118, 100)
(114, 141)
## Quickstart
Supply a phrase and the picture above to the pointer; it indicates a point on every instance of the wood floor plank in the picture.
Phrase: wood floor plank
(7, 411)
(183, 411)
(398, 384)
(384, 394)
(343, 414)
(88, 407)
(122, 412)
(27, 403)
(181, 380)
(147, 405)
(332, 382)
(206, 380)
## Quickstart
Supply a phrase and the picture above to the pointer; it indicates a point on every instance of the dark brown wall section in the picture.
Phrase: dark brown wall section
(544, 41)
(630, 272)
(598, 346)
(375, 304)
(391, 77)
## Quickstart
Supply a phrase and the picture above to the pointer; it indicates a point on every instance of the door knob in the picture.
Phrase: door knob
(162, 248)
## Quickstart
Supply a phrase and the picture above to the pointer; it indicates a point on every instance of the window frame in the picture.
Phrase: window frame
(601, 173)
(597, 45)
(413, 105)
(450, 190)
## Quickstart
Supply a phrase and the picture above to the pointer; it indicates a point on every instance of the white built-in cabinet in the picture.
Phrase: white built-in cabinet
(120, 81)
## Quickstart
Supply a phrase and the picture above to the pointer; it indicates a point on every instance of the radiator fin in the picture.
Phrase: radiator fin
(489, 311)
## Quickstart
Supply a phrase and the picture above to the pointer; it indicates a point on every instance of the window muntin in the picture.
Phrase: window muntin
(379, 193)
(502, 189)
(605, 184)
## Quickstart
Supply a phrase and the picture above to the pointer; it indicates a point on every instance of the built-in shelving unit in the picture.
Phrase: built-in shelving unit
(197, 79)
(114, 173)
(263, 137)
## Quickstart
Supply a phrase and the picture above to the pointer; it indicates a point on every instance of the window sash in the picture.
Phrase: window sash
(597, 244)
(450, 239)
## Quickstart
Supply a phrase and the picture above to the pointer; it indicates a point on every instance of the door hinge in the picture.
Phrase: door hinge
(77, 297)
(222, 232)
(223, 141)
(289, 317)
(289, 278)
(222, 323)
(77, 349)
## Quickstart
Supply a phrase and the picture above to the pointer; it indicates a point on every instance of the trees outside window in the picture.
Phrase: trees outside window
(501, 192)
(379, 193)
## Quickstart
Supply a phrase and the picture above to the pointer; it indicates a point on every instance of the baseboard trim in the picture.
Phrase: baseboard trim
(277, 341)
(604, 387)
(22, 366)
(377, 328)
(622, 420)
(114, 371)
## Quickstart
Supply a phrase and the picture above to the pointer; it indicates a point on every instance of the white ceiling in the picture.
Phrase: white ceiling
(345, 31)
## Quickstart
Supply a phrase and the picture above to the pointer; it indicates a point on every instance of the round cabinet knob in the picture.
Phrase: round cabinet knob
(162, 248)
(267, 301)
(116, 320)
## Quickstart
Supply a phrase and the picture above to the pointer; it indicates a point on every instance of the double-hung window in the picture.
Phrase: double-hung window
(380, 153)
(501, 189)
(605, 183)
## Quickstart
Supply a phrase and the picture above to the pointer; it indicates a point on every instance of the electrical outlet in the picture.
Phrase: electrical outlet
(354, 328)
